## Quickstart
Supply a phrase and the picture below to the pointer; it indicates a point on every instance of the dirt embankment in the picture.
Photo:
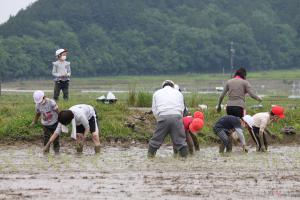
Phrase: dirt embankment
(142, 123)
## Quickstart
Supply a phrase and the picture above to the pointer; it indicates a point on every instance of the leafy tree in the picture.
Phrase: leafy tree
(113, 37)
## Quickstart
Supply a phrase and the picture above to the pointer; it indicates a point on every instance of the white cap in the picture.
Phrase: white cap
(60, 51)
(249, 120)
(167, 81)
(38, 96)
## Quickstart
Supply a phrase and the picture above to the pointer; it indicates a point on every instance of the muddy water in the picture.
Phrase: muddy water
(125, 173)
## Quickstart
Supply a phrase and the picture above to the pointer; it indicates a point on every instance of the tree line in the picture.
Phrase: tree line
(113, 37)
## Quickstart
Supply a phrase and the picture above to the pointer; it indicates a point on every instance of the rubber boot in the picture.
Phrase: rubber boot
(97, 149)
(257, 148)
(261, 138)
(151, 152)
(191, 151)
(56, 150)
(183, 152)
(190, 142)
(229, 148)
(221, 148)
(196, 142)
(265, 142)
(175, 153)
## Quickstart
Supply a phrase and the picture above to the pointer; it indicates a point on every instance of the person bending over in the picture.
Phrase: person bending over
(83, 119)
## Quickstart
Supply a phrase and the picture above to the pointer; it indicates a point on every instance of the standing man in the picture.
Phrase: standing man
(61, 72)
(168, 107)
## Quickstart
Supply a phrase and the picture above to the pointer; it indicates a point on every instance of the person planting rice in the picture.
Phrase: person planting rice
(48, 110)
(260, 123)
(192, 125)
(168, 107)
(83, 119)
(237, 88)
(226, 125)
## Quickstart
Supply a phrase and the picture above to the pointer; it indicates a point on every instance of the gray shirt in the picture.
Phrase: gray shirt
(237, 89)
(61, 70)
(48, 112)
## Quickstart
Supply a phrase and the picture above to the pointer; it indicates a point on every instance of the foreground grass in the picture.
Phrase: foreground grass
(17, 111)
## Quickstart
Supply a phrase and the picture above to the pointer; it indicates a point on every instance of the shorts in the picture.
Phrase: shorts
(235, 111)
(93, 123)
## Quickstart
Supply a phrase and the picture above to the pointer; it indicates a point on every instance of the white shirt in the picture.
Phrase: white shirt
(82, 114)
(261, 120)
(167, 101)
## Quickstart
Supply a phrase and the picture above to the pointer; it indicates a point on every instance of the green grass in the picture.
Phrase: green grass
(17, 112)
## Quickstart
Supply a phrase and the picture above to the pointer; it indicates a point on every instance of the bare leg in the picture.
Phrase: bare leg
(96, 141)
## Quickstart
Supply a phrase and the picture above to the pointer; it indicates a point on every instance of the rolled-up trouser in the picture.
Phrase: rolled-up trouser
(223, 135)
(169, 124)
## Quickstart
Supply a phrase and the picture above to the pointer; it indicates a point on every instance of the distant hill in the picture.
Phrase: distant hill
(113, 37)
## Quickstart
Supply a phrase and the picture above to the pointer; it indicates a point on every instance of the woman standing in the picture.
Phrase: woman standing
(237, 88)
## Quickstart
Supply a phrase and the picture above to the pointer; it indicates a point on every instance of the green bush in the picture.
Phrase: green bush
(193, 100)
(131, 97)
(144, 99)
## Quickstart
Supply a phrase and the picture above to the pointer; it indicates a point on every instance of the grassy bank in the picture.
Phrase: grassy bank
(17, 111)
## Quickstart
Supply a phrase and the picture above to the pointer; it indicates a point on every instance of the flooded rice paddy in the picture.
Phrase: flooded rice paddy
(126, 173)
